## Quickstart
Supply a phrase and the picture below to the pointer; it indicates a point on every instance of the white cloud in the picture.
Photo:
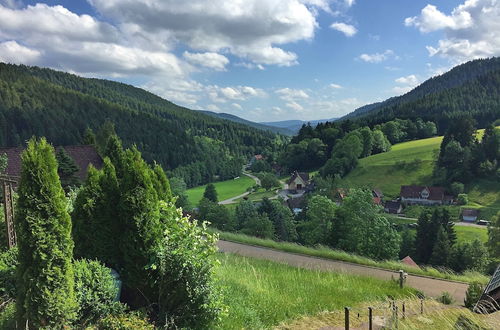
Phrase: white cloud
(213, 107)
(252, 29)
(346, 29)
(240, 93)
(12, 52)
(295, 106)
(406, 84)
(210, 60)
(350, 3)
(335, 86)
(471, 30)
(237, 106)
(289, 94)
(377, 57)
(408, 80)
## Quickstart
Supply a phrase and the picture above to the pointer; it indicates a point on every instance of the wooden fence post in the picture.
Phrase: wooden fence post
(421, 306)
(404, 310)
(346, 316)
(370, 318)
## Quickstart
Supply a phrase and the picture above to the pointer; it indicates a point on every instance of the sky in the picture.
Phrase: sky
(262, 60)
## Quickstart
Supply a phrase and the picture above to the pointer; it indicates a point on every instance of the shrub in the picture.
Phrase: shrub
(457, 188)
(8, 264)
(445, 298)
(181, 273)
(96, 291)
(125, 321)
(8, 316)
(462, 199)
(473, 295)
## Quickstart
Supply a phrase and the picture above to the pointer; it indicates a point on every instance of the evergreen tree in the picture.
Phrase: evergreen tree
(178, 187)
(259, 226)
(89, 137)
(441, 251)
(424, 240)
(494, 237)
(284, 225)
(407, 244)
(161, 183)
(67, 169)
(45, 296)
(245, 212)
(210, 193)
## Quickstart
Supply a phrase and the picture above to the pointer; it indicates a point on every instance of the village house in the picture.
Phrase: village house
(255, 158)
(296, 205)
(341, 193)
(82, 155)
(490, 299)
(393, 207)
(423, 195)
(299, 182)
(469, 215)
(377, 196)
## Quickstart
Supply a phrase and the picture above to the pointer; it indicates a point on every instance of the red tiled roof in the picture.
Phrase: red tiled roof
(409, 261)
(83, 156)
(435, 193)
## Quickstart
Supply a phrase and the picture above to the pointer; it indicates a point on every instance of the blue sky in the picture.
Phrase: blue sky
(263, 60)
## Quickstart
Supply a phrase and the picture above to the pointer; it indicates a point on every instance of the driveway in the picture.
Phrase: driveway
(429, 286)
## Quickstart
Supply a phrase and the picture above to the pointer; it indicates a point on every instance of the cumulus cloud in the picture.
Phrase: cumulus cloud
(210, 60)
(405, 84)
(471, 29)
(251, 29)
(12, 52)
(290, 94)
(377, 57)
(346, 29)
(237, 106)
(295, 106)
(240, 93)
(335, 86)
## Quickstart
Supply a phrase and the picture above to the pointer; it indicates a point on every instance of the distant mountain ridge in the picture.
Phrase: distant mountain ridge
(262, 126)
(295, 124)
(472, 87)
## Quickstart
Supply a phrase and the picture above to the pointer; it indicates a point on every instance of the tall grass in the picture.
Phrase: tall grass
(261, 294)
(327, 253)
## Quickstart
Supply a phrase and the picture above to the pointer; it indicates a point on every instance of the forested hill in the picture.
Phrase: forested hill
(61, 106)
(472, 88)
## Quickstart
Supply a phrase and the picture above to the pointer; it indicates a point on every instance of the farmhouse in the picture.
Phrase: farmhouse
(299, 181)
(256, 158)
(82, 155)
(377, 196)
(469, 215)
(423, 195)
(393, 207)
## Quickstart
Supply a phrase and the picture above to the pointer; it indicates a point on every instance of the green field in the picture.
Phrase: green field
(225, 189)
(261, 294)
(327, 253)
(412, 163)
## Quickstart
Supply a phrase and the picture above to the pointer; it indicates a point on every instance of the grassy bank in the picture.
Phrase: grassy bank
(261, 294)
(225, 189)
(328, 253)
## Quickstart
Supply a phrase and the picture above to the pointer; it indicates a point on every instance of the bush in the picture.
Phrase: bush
(182, 274)
(457, 188)
(462, 199)
(8, 316)
(445, 298)
(473, 295)
(96, 291)
(8, 264)
(128, 321)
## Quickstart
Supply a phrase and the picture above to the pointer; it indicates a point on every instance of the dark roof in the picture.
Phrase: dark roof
(303, 175)
(296, 203)
(494, 282)
(392, 205)
(435, 193)
(470, 213)
(83, 155)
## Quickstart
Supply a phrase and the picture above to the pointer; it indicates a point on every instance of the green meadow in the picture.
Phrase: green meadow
(225, 189)
(262, 294)
(411, 163)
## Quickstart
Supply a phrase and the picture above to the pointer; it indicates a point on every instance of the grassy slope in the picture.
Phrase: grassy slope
(327, 253)
(260, 294)
(382, 171)
(225, 189)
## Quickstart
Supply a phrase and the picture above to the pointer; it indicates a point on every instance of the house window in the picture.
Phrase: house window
(299, 186)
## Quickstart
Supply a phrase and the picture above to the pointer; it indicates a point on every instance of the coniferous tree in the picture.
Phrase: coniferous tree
(161, 183)
(494, 237)
(45, 296)
(424, 241)
(210, 193)
(441, 251)
(89, 137)
(67, 169)
(284, 225)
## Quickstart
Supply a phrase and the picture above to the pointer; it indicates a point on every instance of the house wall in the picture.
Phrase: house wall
(420, 201)
(470, 218)
(293, 184)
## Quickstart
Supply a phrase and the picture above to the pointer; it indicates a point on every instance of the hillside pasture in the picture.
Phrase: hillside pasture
(262, 294)
(225, 189)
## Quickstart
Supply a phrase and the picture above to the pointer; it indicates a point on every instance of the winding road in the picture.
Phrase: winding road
(432, 287)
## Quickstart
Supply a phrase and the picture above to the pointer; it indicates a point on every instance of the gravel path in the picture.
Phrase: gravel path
(430, 286)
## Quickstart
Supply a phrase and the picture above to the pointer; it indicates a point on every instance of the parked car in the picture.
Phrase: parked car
(483, 222)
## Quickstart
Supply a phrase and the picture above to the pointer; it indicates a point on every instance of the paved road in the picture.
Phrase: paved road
(430, 286)
(459, 224)
(233, 199)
